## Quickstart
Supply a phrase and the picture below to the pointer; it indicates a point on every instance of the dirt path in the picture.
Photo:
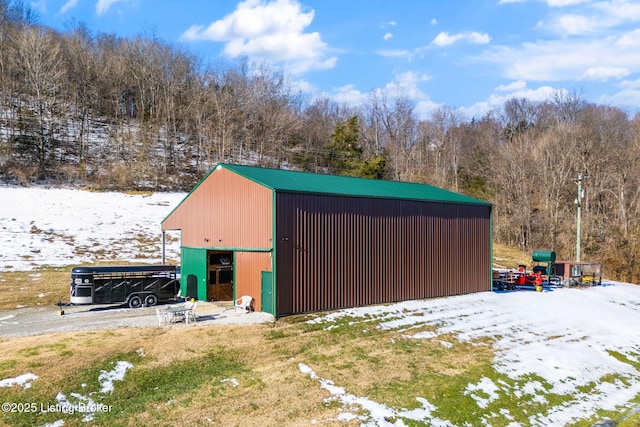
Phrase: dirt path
(44, 320)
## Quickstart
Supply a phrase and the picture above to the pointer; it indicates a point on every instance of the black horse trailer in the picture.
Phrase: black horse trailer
(133, 285)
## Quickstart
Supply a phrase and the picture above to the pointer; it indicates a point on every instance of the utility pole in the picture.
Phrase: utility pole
(578, 202)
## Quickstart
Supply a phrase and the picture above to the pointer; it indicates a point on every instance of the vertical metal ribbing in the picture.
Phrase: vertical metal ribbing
(347, 251)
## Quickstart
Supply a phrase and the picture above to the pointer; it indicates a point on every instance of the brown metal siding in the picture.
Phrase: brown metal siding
(335, 252)
(249, 267)
(225, 211)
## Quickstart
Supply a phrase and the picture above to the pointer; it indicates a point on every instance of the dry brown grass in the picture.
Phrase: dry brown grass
(41, 287)
(509, 257)
(272, 391)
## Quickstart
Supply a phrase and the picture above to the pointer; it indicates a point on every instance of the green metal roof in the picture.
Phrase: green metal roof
(304, 182)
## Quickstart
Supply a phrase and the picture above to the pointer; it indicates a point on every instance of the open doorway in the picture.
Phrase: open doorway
(220, 276)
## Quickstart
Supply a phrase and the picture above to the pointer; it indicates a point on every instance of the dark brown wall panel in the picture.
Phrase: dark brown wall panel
(335, 252)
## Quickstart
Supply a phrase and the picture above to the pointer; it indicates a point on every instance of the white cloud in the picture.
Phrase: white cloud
(511, 1)
(70, 4)
(563, 3)
(271, 30)
(424, 108)
(303, 86)
(618, 11)
(629, 40)
(559, 60)
(396, 53)
(591, 16)
(434, 21)
(576, 24)
(405, 84)
(103, 5)
(348, 94)
(496, 102)
(446, 39)
(513, 86)
(628, 96)
(387, 36)
(605, 73)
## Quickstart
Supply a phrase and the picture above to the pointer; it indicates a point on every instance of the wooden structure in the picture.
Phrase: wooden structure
(578, 273)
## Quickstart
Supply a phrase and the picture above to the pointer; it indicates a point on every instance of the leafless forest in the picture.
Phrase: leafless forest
(96, 110)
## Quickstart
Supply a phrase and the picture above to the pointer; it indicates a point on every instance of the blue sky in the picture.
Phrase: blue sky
(470, 55)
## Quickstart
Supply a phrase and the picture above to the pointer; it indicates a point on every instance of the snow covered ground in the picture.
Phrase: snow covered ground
(40, 226)
(583, 343)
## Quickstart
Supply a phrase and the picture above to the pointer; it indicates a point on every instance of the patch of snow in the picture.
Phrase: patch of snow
(307, 370)
(106, 379)
(23, 380)
(231, 381)
(486, 387)
(506, 413)
(378, 414)
(77, 402)
(82, 404)
(58, 423)
(535, 390)
(421, 335)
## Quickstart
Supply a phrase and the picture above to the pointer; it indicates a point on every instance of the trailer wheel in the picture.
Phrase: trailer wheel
(150, 300)
(135, 301)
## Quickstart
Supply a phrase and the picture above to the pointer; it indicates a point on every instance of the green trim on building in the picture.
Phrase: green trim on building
(305, 182)
(230, 249)
(274, 256)
(491, 250)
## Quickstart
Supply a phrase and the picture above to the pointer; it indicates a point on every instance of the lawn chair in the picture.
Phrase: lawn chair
(190, 316)
(243, 304)
(163, 317)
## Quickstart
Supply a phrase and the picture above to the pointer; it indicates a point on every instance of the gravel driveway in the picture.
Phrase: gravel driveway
(44, 320)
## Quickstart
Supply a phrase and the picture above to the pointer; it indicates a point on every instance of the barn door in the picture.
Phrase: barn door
(192, 286)
(266, 295)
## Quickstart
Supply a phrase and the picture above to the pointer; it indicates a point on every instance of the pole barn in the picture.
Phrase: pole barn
(299, 242)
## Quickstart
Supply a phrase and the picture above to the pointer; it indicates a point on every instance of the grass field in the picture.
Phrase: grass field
(252, 374)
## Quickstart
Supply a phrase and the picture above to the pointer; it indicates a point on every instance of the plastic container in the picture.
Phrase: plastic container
(544, 256)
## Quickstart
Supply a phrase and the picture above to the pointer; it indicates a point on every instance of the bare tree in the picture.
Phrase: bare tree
(38, 62)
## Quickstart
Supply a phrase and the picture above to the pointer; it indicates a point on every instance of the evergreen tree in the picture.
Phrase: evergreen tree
(343, 151)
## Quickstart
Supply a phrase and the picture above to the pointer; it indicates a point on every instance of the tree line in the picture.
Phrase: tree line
(123, 113)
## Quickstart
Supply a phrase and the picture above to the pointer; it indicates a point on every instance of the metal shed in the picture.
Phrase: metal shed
(300, 242)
